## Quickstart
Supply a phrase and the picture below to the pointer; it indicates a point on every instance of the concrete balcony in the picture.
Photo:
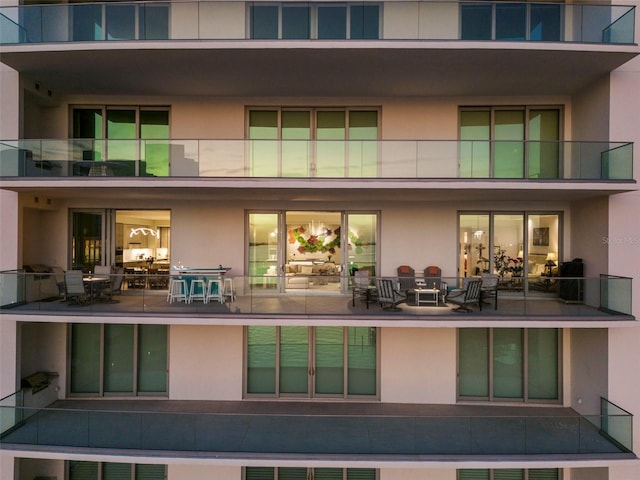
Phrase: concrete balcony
(567, 302)
(404, 47)
(374, 432)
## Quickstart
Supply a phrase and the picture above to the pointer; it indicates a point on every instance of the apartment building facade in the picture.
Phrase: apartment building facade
(273, 150)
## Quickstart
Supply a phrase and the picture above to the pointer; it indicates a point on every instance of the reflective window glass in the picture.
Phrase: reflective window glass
(364, 22)
(476, 22)
(264, 21)
(332, 22)
(295, 22)
(511, 21)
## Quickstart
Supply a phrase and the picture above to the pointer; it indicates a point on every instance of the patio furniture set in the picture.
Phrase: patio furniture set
(426, 290)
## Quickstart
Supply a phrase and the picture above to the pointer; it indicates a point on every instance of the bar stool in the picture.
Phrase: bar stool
(228, 291)
(197, 290)
(177, 290)
(214, 290)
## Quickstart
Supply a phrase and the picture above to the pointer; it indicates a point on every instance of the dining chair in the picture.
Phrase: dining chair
(74, 287)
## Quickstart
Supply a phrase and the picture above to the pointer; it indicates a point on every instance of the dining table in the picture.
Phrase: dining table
(95, 284)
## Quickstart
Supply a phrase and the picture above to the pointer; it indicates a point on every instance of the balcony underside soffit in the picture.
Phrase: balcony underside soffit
(305, 193)
(391, 70)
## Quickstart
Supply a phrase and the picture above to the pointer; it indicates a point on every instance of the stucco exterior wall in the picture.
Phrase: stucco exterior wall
(418, 365)
(205, 362)
(589, 352)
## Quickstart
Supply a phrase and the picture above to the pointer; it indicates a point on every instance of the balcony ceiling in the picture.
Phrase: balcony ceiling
(334, 69)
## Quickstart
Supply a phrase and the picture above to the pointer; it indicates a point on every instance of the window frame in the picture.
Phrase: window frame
(491, 398)
(311, 393)
(135, 368)
(314, 18)
(526, 109)
(100, 469)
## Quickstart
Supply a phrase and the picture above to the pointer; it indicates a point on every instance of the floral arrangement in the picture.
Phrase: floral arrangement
(315, 243)
(504, 264)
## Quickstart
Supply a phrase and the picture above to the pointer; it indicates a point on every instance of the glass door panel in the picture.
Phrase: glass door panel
(330, 145)
(362, 235)
(509, 144)
(263, 250)
(86, 22)
(543, 146)
(116, 471)
(329, 360)
(152, 358)
(507, 363)
(363, 144)
(508, 232)
(85, 358)
(263, 143)
(542, 252)
(475, 147)
(292, 473)
(87, 240)
(542, 351)
(87, 125)
(121, 22)
(364, 22)
(473, 366)
(296, 133)
(332, 22)
(118, 358)
(296, 23)
(327, 474)
(511, 21)
(474, 245)
(261, 360)
(154, 155)
(361, 361)
(122, 145)
(294, 360)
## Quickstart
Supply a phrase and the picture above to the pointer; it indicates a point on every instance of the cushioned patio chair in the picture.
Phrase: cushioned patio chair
(388, 296)
(489, 288)
(468, 295)
(406, 278)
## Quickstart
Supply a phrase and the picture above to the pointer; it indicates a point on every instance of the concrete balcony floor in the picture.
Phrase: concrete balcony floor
(324, 305)
(312, 430)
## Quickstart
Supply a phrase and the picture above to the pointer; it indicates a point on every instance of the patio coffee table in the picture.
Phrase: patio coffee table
(426, 296)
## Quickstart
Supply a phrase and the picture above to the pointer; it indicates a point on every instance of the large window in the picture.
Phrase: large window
(509, 474)
(506, 364)
(77, 470)
(522, 248)
(134, 137)
(313, 142)
(118, 359)
(511, 21)
(322, 21)
(297, 361)
(301, 473)
(510, 142)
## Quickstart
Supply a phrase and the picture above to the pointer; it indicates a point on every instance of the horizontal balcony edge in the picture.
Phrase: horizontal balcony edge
(321, 460)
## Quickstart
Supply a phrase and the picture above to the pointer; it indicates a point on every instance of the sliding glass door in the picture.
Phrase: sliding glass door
(117, 359)
(292, 361)
(506, 364)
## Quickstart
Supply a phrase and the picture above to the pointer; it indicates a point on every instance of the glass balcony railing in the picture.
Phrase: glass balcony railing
(389, 20)
(616, 423)
(528, 433)
(11, 412)
(407, 159)
(562, 298)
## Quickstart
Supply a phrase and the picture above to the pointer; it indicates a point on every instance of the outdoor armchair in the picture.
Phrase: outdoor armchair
(466, 296)
(388, 296)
